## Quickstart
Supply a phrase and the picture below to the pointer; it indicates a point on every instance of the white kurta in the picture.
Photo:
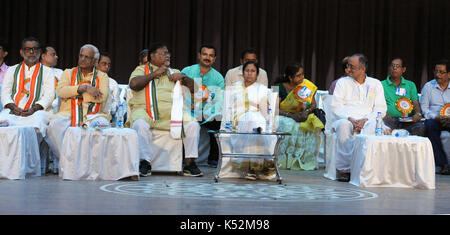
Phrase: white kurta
(40, 118)
(352, 99)
(113, 101)
(57, 102)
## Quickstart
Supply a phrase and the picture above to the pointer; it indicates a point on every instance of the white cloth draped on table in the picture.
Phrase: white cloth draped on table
(108, 154)
(19, 153)
(389, 161)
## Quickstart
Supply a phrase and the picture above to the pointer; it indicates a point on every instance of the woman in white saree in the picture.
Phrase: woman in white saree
(246, 107)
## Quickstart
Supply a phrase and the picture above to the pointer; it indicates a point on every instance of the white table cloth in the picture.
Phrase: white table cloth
(108, 154)
(19, 153)
(388, 161)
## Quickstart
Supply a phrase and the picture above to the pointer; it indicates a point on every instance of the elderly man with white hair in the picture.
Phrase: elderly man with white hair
(83, 91)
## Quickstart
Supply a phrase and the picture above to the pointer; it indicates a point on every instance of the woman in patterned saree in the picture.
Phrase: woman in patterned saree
(296, 116)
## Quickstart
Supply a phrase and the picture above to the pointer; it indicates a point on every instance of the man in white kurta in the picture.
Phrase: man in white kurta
(113, 102)
(356, 102)
(28, 90)
(236, 74)
(49, 58)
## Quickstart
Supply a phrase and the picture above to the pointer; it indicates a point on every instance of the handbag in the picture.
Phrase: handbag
(321, 115)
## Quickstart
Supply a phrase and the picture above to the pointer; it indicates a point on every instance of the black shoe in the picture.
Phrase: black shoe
(192, 170)
(212, 163)
(145, 169)
(342, 176)
(445, 170)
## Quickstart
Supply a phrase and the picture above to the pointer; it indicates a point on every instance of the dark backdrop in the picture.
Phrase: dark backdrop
(318, 33)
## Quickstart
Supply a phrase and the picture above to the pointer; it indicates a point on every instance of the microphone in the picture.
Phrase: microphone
(257, 130)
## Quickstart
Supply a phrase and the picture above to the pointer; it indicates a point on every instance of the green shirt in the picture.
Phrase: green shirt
(391, 94)
(215, 83)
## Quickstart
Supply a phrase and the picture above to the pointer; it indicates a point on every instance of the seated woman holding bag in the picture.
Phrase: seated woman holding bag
(296, 116)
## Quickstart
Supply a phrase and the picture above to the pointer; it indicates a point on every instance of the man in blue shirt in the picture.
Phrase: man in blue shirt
(207, 103)
(435, 98)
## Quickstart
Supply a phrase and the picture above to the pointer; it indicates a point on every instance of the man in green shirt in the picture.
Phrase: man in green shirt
(207, 106)
(396, 87)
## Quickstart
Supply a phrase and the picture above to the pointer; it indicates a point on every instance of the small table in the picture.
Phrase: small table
(388, 161)
(233, 150)
(108, 154)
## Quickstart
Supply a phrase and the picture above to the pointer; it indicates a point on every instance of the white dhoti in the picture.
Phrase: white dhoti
(345, 139)
(58, 127)
(145, 136)
(38, 120)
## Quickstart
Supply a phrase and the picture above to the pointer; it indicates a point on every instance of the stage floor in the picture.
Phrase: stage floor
(302, 193)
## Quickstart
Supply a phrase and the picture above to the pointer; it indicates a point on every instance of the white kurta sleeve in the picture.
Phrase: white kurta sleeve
(114, 88)
(338, 101)
(7, 86)
(48, 89)
(262, 77)
(379, 102)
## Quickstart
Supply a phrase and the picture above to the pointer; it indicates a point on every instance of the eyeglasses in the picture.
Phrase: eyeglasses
(81, 56)
(396, 66)
(164, 54)
(29, 49)
(440, 72)
(352, 67)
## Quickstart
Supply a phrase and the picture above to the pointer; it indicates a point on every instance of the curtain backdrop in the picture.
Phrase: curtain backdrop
(317, 33)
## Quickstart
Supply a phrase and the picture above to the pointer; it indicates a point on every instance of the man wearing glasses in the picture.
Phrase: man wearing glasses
(104, 65)
(435, 104)
(154, 106)
(396, 89)
(356, 102)
(28, 90)
(83, 91)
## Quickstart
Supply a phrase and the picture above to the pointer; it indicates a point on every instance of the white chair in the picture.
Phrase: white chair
(329, 139)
